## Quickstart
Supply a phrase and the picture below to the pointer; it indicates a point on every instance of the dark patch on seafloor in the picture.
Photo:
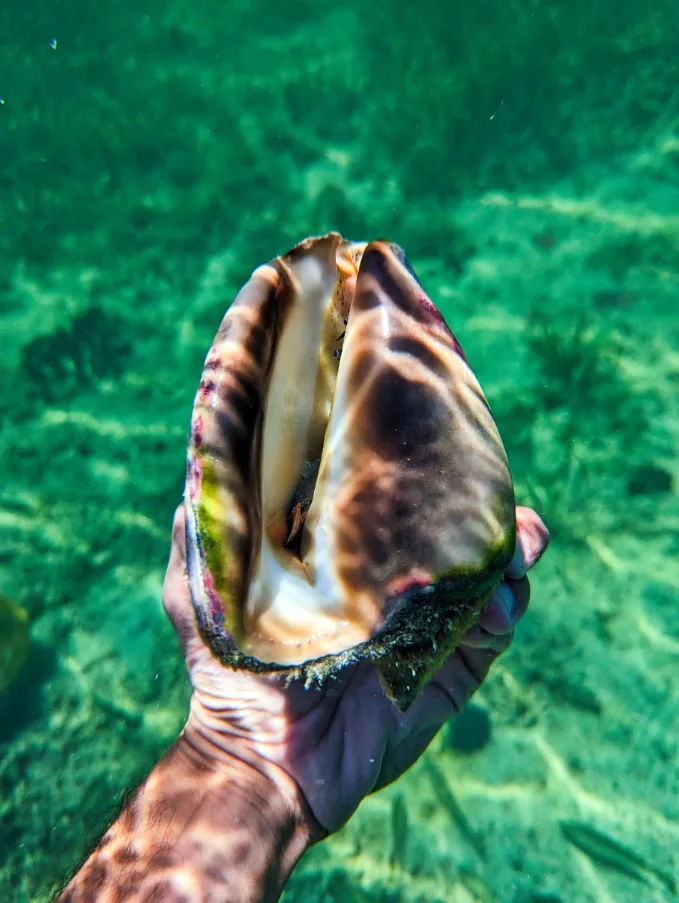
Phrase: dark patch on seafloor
(21, 703)
(470, 731)
(649, 479)
(92, 346)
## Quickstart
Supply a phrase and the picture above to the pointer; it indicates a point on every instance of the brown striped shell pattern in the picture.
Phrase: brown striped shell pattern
(348, 495)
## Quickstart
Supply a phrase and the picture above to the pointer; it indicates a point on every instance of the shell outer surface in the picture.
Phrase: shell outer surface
(348, 495)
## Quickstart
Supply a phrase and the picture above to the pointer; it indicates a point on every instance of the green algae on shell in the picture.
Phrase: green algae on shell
(348, 495)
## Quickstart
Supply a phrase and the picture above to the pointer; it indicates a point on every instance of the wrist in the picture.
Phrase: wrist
(232, 745)
(198, 829)
(252, 809)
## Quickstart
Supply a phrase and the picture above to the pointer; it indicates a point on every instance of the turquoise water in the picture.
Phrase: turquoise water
(526, 155)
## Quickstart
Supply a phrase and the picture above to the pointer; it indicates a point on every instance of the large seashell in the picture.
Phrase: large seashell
(348, 495)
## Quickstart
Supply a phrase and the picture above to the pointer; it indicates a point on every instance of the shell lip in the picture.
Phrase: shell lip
(407, 651)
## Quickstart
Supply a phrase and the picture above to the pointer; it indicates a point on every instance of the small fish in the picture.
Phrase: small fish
(446, 797)
(399, 828)
(606, 851)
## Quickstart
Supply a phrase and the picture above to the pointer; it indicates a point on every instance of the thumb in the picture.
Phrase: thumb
(176, 593)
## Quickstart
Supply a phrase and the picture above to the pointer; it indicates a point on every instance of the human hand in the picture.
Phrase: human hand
(341, 741)
(262, 769)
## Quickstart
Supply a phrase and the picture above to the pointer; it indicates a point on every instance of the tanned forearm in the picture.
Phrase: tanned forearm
(194, 833)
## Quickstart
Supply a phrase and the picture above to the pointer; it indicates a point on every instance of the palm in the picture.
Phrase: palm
(340, 741)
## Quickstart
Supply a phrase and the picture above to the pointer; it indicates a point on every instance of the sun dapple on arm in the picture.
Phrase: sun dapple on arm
(192, 833)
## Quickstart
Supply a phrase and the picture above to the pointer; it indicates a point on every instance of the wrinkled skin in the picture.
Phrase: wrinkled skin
(343, 740)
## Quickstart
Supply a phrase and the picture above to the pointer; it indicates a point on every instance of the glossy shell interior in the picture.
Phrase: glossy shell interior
(348, 494)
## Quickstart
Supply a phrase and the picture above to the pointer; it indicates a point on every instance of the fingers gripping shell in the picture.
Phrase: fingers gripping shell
(348, 494)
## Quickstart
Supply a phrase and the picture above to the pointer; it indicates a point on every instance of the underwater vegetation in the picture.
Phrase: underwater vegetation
(14, 640)
(595, 87)
(450, 803)
(563, 424)
(577, 87)
(91, 347)
(399, 828)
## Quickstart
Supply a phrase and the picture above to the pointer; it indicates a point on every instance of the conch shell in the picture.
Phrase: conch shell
(348, 495)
